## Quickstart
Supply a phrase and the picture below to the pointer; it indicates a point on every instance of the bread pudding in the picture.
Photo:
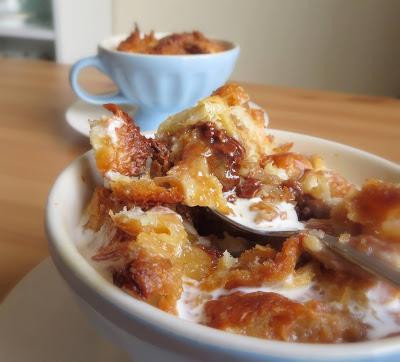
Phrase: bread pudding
(147, 229)
(174, 44)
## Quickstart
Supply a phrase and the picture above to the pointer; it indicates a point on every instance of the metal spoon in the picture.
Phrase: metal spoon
(366, 262)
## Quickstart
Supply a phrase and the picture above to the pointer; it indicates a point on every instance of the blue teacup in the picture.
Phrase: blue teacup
(159, 85)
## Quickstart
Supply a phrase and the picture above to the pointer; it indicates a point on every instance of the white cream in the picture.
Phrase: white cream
(381, 318)
(114, 123)
(112, 176)
(286, 219)
(89, 242)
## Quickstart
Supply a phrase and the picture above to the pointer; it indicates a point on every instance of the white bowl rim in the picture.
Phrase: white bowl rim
(108, 44)
(62, 244)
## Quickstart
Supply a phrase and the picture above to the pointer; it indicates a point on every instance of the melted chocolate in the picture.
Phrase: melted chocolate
(226, 155)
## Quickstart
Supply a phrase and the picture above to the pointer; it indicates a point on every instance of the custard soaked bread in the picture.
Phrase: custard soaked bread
(148, 236)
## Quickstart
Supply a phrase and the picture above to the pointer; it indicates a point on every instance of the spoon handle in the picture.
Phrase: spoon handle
(368, 263)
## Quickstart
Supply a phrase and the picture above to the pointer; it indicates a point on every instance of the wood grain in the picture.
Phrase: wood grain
(36, 143)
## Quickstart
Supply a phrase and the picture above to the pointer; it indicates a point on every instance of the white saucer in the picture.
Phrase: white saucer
(40, 321)
(79, 113)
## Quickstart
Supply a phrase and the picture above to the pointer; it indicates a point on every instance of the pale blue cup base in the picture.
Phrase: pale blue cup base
(150, 119)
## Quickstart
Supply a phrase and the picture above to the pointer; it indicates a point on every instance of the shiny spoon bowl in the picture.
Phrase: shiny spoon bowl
(368, 263)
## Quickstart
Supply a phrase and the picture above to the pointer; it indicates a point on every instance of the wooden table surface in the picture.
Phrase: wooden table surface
(36, 143)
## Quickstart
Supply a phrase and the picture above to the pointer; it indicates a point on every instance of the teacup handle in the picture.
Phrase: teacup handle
(94, 61)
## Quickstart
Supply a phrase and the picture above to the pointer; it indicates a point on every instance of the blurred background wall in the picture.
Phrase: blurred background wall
(343, 45)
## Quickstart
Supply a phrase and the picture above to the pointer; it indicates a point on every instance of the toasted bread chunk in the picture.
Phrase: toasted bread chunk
(98, 209)
(377, 208)
(118, 144)
(272, 316)
(155, 253)
(174, 44)
(228, 111)
(146, 191)
(257, 266)
(145, 226)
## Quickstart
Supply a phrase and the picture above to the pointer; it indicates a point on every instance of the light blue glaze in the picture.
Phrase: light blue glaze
(160, 85)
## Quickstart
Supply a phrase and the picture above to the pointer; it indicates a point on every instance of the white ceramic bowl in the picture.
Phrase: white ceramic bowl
(149, 334)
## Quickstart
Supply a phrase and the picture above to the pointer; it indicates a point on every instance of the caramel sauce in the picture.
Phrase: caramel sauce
(160, 158)
(248, 188)
(375, 202)
(226, 155)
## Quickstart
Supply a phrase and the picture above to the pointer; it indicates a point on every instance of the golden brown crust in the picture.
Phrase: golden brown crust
(229, 110)
(257, 266)
(148, 192)
(217, 146)
(283, 148)
(345, 286)
(207, 161)
(101, 203)
(188, 43)
(200, 187)
(377, 208)
(234, 95)
(154, 279)
(160, 157)
(258, 116)
(338, 185)
(135, 43)
(128, 154)
(263, 264)
(293, 163)
(152, 253)
(174, 44)
(272, 316)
